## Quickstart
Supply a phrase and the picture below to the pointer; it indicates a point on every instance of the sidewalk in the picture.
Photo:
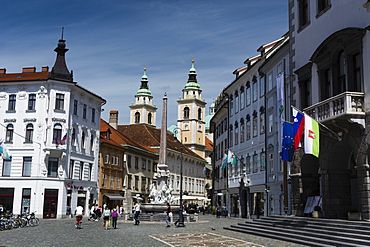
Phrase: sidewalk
(208, 230)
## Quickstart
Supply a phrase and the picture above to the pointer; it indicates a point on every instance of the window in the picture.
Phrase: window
(83, 140)
(129, 161)
(236, 133)
(136, 162)
(57, 133)
(248, 130)
(149, 118)
(231, 136)
(231, 105)
(129, 181)
(111, 182)
(242, 100)
(248, 97)
(59, 102)
(255, 91)
(322, 6)
(236, 102)
(271, 163)
(118, 183)
(149, 165)
(71, 170)
(93, 115)
(303, 13)
(262, 86)
(271, 123)
(199, 113)
(9, 133)
(118, 162)
(29, 133)
(12, 100)
(27, 163)
(255, 123)
(52, 167)
(104, 184)
(90, 171)
(32, 102)
(81, 170)
(248, 165)
(154, 167)
(262, 161)
(143, 161)
(84, 111)
(357, 73)
(113, 159)
(242, 130)
(73, 137)
(92, 142)
(106, 157)
(136, 182)
(262, 120)
(26, 201)
(186, 112)
(7, 166)
(269, 82)
(342, 72)
(137, 117)
(255, 164)
(75, 107)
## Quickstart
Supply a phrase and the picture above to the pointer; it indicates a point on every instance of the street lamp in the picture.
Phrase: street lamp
(181, 216)
(267, 189)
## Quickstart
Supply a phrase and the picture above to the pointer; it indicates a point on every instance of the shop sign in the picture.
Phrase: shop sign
(70, 185)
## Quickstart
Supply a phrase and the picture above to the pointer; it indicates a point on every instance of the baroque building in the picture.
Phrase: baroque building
(51, 127)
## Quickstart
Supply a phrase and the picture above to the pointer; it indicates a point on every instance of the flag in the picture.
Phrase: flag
(224, 162)
(298, 126)
(63, 139)
(231, 157)
(288, 142)
(5, 154)
(280, 103)
(311, 136)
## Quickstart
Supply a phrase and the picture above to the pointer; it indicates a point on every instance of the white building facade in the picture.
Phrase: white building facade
(51, 128)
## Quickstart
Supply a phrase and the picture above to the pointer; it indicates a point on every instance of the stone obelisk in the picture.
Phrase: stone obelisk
(163, 171)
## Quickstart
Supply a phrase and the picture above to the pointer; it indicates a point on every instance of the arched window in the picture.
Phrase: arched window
(9, 133)
(83, 140)
(149, 118)
(231, 136)
(236, 133)
(248, 130)
(236, 101)
(199, 113)
(57, 133)
(241, 130)
(29, 133)
(242, 99)
(231, 105)
(186, 112)
(137, 117)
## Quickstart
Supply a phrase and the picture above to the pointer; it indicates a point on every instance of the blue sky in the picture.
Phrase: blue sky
(110, 42)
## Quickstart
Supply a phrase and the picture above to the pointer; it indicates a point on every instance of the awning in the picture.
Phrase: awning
(115, 197)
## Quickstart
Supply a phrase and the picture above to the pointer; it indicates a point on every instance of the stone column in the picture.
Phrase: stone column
(163, 171)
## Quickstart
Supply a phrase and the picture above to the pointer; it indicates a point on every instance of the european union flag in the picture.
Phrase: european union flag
(288, 142)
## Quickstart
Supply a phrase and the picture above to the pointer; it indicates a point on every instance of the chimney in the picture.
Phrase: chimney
(3, 71)
(29, 70)
(44, 68)
(113, 119)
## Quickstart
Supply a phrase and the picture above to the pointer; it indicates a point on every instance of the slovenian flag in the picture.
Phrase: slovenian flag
(298, 126)
(5, 154)
(231, 158)
(311, 136)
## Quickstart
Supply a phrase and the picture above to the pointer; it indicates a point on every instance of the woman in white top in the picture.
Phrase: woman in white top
(106, 214)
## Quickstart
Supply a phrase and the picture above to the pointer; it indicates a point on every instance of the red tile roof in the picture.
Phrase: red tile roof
(209, 144)
(24, 76)
(150, 136)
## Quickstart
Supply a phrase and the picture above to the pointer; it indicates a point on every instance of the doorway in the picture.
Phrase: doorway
(50, 203)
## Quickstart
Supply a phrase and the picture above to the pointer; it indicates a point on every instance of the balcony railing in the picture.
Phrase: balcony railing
(349, 104)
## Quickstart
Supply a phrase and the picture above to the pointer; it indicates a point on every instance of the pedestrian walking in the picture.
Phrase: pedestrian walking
(106, 215)
(224, 211)
(169, 214)
(92, 213)
(136, 213)
(218, 211)
(114, 218)
(79, 212)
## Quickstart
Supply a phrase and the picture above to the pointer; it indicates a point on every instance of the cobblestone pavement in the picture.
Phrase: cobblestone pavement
(208, 231)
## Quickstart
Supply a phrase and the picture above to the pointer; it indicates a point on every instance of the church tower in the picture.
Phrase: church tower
(191, 115)
(143, 111)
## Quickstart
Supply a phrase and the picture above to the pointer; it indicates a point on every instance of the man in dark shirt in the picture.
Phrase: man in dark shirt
(168, 217)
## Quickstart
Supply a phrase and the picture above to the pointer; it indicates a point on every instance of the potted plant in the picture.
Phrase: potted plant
(316, 213)
(354, 213)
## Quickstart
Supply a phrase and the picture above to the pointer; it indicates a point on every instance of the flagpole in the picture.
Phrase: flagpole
(321, 124)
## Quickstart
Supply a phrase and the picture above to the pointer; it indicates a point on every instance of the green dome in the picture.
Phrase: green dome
(144, 91)
(192, 85)
(208, 121)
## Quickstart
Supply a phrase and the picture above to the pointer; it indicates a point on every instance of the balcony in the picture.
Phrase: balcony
(347, 104)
